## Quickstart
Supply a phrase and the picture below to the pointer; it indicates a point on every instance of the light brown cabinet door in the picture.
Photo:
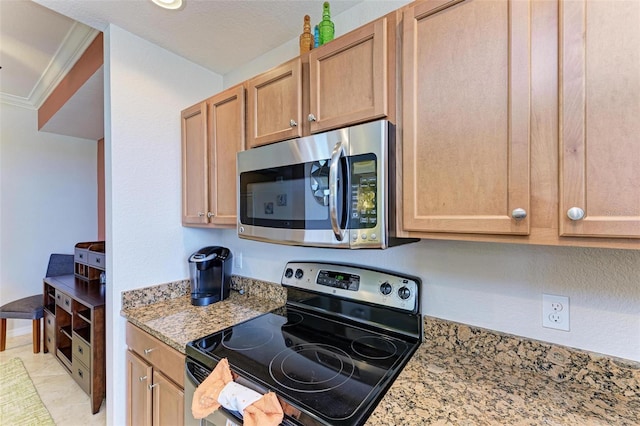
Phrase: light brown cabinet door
(348, 78)
(168, 402)
(274, 101)
(139, 378)
(600, 118)
(466, 102)
(225, 139)
(195, 187)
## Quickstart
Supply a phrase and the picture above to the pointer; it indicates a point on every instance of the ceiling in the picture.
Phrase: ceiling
(220, 35)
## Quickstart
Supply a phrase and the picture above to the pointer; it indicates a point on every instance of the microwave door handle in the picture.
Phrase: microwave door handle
(338, 151)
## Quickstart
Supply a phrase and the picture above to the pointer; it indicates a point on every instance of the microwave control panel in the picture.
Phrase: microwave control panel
(364, 192)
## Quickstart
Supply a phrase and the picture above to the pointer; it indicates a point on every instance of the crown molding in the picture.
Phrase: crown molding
(71, 49)
(18, 101)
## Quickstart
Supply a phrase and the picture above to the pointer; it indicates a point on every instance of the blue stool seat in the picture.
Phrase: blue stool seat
(26, 308)
(31, 307)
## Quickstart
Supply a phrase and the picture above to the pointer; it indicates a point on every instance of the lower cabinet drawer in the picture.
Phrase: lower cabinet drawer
(81, 375)
(50, 342)
(81, 350)
(157, 353)
(50, 323)
(63, 300)
(81, 255)
(96, 260)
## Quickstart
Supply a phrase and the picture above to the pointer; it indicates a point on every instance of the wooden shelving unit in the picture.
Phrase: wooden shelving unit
(75, 330)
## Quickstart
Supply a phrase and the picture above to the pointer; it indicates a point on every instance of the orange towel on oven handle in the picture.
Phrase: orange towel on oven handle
(266, 411)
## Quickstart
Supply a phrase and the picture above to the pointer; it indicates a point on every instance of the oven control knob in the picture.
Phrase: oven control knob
(385, 288)
(299, 273)
(288, 273)
(404, 293)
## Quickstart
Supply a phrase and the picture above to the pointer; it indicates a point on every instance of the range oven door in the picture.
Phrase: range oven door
(194, 374)
(325, 190)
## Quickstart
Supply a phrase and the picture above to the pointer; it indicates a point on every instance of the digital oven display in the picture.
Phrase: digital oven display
(338, 280)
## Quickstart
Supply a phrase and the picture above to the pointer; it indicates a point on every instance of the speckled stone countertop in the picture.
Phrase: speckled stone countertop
(460, 375)
(465, 375)
(166, 312)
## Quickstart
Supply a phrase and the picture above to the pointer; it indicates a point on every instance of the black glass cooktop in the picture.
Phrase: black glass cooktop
(333, 371)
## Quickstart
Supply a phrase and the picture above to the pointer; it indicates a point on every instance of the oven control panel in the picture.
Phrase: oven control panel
(364, 284)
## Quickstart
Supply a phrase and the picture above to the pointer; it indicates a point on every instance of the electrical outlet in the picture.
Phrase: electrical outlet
(555, 312)
(237, 260)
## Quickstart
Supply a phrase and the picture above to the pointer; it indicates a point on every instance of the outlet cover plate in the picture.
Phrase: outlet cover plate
(555, 312)
(237, 260)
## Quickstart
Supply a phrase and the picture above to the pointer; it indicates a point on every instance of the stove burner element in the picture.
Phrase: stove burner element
(311, 367)
(292, 318)
(374, 347)
(246, 338)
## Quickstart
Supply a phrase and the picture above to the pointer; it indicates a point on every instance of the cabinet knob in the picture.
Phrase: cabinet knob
(148, 351)
(519, 214)
(311, 117)
(200, 214)
(210, 215)
(575, 213)
(152, 386)
(142, 378)
(293, 123)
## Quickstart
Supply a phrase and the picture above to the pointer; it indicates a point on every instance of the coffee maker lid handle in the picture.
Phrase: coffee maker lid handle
(200, 257)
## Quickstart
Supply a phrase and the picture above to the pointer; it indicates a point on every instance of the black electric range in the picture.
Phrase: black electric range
(331, 352)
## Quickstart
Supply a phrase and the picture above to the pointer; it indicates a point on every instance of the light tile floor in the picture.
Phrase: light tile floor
(65, 400)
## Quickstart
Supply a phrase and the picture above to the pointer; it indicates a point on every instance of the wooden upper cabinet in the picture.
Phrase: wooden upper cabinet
(274, 101)
(466, 103)
(194, 165)
(600, 118)
(212, 133)
(226, 138)
(349, 78)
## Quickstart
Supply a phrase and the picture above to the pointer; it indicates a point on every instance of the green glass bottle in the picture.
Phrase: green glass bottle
(326, 26)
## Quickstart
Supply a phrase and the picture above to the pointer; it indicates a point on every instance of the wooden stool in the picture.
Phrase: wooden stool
(25, 308)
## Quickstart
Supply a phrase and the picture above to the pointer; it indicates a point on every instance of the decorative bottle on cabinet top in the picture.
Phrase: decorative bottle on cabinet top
(326, 26)
(316, 36)
(306, 38)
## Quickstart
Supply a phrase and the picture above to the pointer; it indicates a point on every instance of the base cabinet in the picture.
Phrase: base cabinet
(155, 381)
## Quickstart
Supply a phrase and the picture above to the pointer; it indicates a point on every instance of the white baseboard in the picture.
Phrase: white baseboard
(19, 331)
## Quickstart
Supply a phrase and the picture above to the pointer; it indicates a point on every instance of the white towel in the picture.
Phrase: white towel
(236, 397)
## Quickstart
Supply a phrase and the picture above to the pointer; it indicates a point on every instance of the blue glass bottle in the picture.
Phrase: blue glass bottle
(316, 37)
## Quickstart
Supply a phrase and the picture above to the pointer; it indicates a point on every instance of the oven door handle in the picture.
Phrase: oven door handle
(338, 152)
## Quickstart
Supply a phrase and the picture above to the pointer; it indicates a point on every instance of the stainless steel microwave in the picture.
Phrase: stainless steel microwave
(326, 190)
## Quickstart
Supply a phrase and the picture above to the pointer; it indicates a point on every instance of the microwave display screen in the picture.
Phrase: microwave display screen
(361, 167)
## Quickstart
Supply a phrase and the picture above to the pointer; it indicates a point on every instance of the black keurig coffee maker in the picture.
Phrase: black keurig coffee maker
(210, 273)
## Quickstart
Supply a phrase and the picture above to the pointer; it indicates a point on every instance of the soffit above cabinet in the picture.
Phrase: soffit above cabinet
(82, 115)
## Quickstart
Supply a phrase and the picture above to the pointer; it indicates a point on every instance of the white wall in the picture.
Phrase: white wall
(48, 199)
(146, 87)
